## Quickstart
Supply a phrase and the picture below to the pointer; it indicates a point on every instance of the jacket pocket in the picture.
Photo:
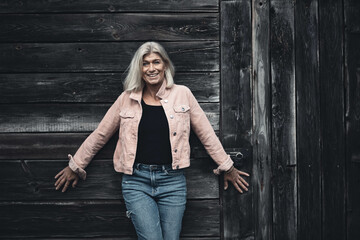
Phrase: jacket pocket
(181, 108)
(127, 113)
(182, 117)
(126, 124)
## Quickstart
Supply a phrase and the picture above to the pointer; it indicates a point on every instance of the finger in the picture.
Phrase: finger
(75, 182)
(245, 182)
(60, 183)
(59, 180)
(66, 186)
(226, 184)
(61, 172)
(237, 187)
(239, 182)
(243, 173)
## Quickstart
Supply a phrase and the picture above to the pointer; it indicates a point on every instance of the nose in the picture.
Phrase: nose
(151, 67)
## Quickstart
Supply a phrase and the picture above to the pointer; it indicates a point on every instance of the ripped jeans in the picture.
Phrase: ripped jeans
(155, 198)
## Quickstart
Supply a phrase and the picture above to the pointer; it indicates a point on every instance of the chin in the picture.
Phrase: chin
(154, 81)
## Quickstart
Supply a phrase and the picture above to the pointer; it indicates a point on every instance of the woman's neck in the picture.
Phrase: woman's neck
(149, 95)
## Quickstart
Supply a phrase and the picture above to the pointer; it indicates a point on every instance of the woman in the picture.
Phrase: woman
(153, 116)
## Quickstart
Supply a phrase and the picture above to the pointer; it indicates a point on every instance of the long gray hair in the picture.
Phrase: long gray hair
(133, 80)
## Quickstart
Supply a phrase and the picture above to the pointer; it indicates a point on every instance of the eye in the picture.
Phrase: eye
(157, 62)
(145, 63)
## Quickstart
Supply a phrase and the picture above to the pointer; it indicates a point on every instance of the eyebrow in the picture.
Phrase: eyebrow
(156, 59)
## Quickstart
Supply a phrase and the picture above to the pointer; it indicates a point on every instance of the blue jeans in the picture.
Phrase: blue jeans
(155, 198)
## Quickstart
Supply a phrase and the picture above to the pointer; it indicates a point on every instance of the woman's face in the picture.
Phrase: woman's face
(153, 69)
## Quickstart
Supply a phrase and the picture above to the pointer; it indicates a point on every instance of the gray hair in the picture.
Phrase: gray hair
(133, 80)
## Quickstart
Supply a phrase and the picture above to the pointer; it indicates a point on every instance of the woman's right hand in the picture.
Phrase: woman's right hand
(66, 176)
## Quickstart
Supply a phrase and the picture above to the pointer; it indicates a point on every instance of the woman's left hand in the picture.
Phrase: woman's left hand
(234, 176)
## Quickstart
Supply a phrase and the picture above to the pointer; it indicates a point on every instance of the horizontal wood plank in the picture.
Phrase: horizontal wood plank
(108, 27)
(129, 238)
(56, 146)
(101, 57)
(94, 219)
(67, 117)
(34, 180)
(69, 6)
(91, 87)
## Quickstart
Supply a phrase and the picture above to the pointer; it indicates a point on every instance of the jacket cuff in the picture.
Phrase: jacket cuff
(78, 170)
(224, 166)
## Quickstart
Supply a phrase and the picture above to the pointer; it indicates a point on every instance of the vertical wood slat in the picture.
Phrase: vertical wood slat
(283, 147)
(236, 115)
(308, 120)
(352, 79)
(332, 119)
(261, 120)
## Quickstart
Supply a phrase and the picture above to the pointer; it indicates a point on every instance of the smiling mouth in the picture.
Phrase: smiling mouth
(152, 75)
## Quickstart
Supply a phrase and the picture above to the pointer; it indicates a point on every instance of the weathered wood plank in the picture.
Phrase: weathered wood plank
(91, 87)
(102, 27)
(24, 180)
(352, 16)
(261, 123)
(94, 219)
(283, 133)
(352, 83)
(331, 73)
(236, 114)
(45, 146)
(101, 57)
(67, 117)
(69, 6)
(128, 238)
(308, 120)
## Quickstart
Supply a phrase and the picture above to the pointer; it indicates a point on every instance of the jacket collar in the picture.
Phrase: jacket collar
(162, 93)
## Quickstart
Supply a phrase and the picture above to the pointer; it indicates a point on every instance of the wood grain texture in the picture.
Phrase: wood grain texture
(236, 114)
(67, 117)
(308, 132)
(102, 27)
(94, 219)
(283, 131)
(30, 180)
(352, 116)
(262, 117)
(48, 146)
(100, 57)
(110, 6)
(352, 17)
(91, 87)
(332, 118)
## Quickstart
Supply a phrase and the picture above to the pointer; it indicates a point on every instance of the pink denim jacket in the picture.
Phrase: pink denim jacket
(181, 110)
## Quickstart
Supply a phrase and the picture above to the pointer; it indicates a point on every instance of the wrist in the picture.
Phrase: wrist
(230, 169)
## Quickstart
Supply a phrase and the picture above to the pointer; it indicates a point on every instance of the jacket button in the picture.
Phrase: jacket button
(177, 167)
(171, 116)
(165, 100)
(175, 150)
(174, 133)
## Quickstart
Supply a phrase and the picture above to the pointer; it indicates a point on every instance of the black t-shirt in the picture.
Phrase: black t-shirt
(153, 145)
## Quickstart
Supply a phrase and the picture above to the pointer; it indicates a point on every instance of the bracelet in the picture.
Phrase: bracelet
(231, 169)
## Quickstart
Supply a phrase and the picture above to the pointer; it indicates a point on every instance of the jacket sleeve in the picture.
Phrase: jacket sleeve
(96, 140)
(203, 129)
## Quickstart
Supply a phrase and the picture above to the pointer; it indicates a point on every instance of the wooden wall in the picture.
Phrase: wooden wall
(278, 79)
(61, 67)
